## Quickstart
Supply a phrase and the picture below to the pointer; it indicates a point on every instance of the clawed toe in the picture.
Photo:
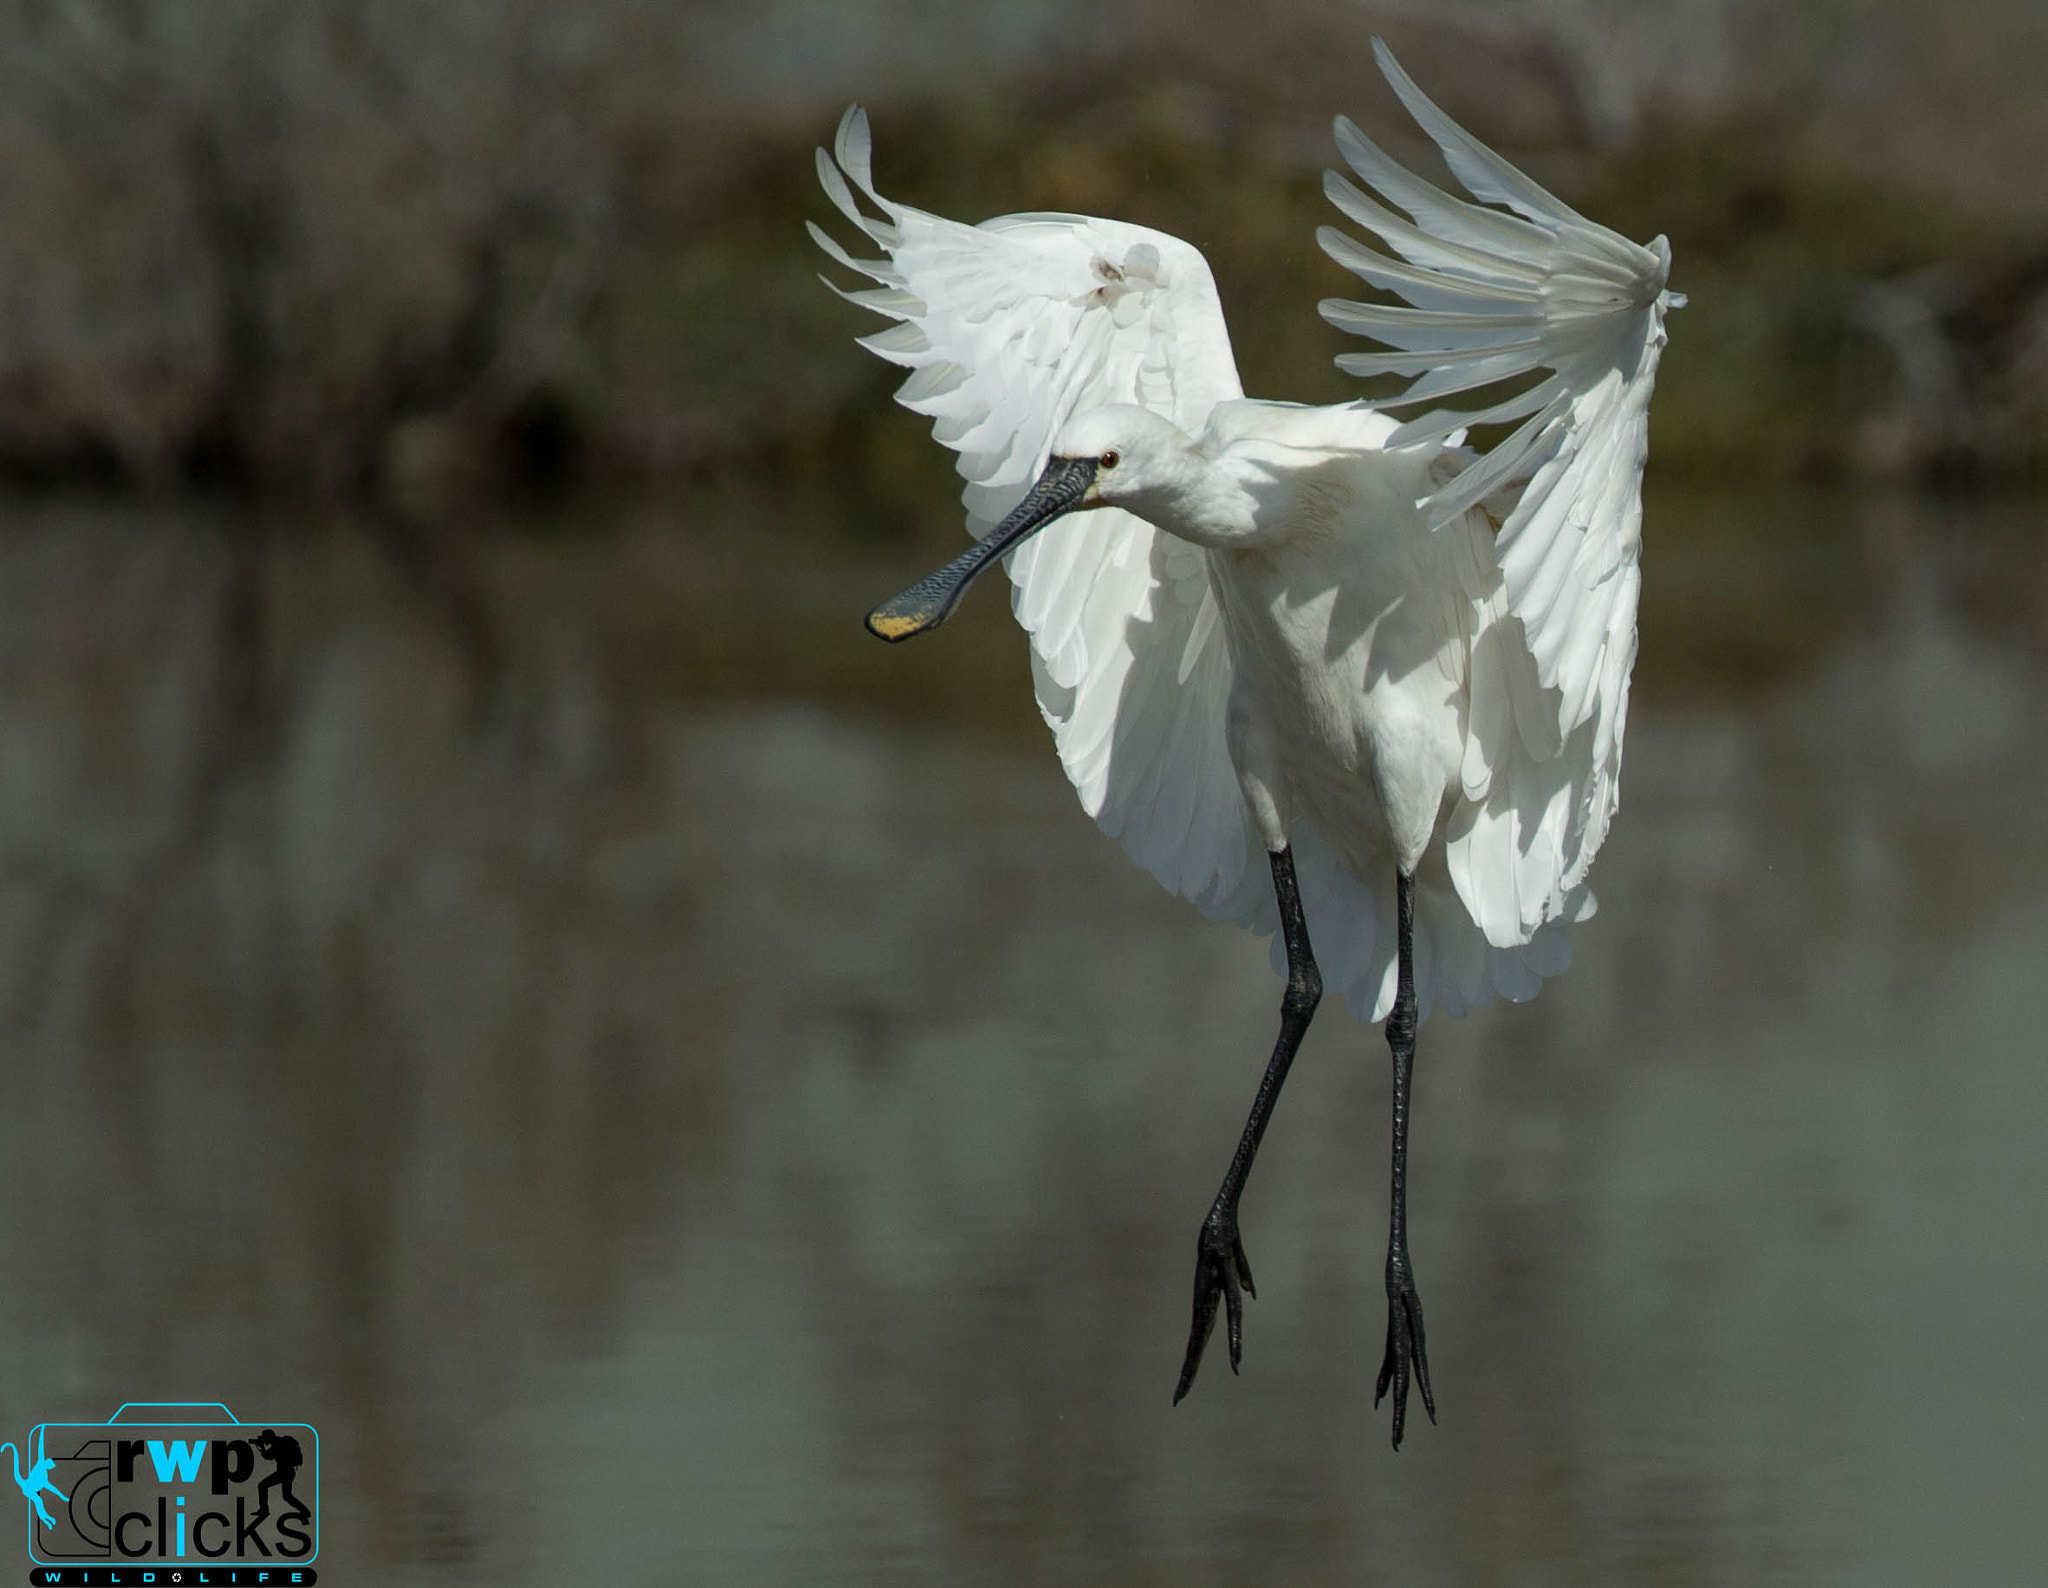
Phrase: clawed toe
(1220, 1271)
(1406, 1355)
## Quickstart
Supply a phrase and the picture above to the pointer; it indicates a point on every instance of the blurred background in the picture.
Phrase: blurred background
(495, 963)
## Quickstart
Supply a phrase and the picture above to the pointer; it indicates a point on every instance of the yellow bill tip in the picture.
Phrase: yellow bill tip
(896, 625)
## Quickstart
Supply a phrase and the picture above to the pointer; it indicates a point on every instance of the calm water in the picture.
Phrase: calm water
(664, 1089)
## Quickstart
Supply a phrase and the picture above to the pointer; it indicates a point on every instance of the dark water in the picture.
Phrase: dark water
(677, 1099)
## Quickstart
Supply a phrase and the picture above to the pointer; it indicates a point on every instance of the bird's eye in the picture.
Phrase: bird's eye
(1109, 460)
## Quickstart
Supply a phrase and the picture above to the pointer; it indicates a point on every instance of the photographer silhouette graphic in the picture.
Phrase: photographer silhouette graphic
(283, 1451)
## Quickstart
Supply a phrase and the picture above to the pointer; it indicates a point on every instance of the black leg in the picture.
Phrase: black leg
(1404, 1307)
(1220, 1266)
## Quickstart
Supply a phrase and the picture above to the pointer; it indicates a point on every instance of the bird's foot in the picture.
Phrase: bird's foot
(1405, 1352)
(1220, 1268)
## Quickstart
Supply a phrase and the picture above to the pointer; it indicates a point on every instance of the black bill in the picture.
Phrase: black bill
(929, 602)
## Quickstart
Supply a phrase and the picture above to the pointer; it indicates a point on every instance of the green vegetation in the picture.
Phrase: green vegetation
(1773, 372)
(408, 252)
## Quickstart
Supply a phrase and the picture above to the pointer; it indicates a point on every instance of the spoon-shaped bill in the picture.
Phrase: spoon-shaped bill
(929, 602)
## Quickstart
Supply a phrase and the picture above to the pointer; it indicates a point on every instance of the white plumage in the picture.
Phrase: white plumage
(1326, 637)
(1012, 327)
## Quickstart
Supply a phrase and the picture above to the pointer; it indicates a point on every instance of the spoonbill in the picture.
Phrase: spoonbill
(1346, 640)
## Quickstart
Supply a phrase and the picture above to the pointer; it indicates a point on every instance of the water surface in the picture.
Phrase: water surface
(668, 1086)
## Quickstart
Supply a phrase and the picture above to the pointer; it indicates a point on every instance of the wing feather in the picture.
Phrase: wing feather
(1485, 174)
(1520, 286)
(1006, 329)
(1446, 219)
(1420, 246)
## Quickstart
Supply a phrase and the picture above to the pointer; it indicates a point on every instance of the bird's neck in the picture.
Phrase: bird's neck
(1203, 501)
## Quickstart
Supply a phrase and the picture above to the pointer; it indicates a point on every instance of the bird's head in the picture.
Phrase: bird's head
(1136, 454)
(1108, 457)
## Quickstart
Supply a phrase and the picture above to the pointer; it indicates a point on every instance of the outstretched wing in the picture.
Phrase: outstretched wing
(1569, 318)
(1007, 329)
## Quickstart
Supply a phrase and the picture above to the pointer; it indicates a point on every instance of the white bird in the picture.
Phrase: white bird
(1346, 642)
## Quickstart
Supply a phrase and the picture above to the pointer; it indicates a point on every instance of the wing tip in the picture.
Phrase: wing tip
(1390, 68)
(853, 151)
(853, 145)
(1405, 87)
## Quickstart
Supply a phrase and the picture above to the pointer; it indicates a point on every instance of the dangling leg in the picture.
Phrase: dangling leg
(1219, 1255)
(1404, 1307)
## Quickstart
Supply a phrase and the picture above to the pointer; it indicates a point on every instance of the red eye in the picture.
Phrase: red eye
(1109, 460)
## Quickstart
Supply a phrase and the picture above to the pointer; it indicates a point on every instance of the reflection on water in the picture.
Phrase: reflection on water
(720, 1124)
